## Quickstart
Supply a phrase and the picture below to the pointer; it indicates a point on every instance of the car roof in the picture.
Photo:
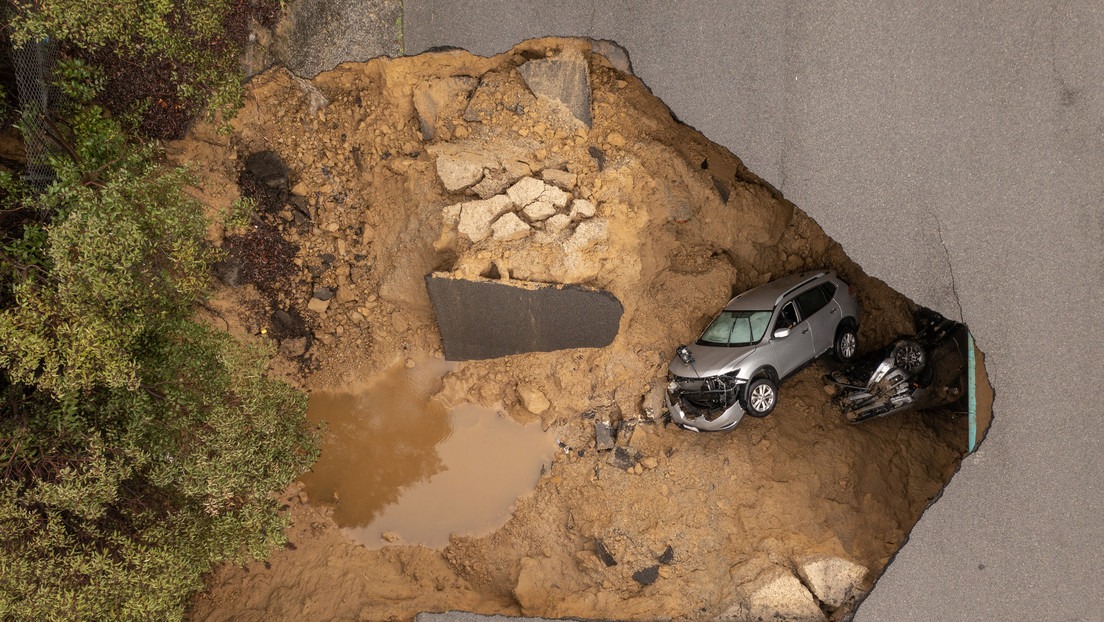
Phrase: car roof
(766, 296)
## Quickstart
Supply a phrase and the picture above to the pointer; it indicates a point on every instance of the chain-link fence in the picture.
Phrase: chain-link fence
(34, 68)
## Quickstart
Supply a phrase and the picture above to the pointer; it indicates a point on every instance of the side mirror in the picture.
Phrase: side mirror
(781, 333)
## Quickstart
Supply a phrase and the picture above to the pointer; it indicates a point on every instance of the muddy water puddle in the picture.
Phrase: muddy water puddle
(396, 461)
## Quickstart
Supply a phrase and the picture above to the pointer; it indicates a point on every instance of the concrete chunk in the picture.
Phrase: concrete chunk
(557, 223)
(555, 196)
(526, 190)
(533, 399)
(459, 171)
(509, 228)
(476, 216)
(832, 579)
(774, 594)
(581, 208)
(561, 179)
(564, 78)
(485, 319)
(539, 210)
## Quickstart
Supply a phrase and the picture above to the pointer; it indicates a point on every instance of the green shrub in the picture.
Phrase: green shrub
(187, 34)
(138, 447)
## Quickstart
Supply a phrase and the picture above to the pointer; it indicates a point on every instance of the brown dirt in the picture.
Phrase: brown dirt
(686, 225)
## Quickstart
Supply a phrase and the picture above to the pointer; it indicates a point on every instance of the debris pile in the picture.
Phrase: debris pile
(549, 165)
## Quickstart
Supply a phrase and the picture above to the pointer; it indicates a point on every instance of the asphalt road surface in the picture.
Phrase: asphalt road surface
(957, 152)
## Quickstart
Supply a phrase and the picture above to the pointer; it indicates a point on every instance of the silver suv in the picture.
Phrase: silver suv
(762, 336)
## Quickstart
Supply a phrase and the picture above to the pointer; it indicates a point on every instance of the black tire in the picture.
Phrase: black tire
(910, 356)
(846, 344)
(760, 397)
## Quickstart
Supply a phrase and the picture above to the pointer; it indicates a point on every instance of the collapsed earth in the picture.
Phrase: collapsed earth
(548, 166)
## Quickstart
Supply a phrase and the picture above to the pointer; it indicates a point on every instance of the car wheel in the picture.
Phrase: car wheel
(762, 395)
(910, 356)
(846, 344)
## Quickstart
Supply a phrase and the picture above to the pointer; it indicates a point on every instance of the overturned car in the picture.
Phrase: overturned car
(762, 336)
(914, 373)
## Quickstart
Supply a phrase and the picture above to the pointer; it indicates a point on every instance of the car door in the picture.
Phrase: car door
(796, 348)
(822, 315)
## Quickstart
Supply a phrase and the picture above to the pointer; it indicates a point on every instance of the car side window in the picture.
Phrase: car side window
(811, 301)
(829, 290)
(787, 318)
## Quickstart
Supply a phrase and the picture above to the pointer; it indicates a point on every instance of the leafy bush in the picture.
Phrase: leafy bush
(138, 447)
(170, 58)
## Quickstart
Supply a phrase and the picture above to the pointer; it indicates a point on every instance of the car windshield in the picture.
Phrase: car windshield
(736, 328)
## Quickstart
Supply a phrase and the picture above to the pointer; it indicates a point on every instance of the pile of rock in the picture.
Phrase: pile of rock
(528, 205)
(823, 587)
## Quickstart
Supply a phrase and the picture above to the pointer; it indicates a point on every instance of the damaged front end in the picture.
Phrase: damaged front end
(914, 373)
(705, 404)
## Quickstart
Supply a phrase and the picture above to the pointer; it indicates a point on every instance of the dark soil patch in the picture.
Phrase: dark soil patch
(264, 258)
(265, 180)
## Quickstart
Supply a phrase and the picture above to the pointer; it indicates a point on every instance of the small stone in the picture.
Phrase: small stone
(389, 536)
(323, 293)
(667, 556)
(649, 463)
(509, 228)
(646, 576)
(603, 553)
(581, 208)
(561, 179)
(318, 306)
(303, 497)
(622, 459)
(615, 139)
(603, 436)
(409, 364)
(533, 399)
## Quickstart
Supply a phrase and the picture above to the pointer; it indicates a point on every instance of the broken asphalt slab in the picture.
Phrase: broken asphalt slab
(488, 319)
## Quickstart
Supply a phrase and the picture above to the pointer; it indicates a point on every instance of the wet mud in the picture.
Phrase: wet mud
(399, 465)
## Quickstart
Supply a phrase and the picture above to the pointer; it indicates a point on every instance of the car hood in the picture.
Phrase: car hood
(710, 360)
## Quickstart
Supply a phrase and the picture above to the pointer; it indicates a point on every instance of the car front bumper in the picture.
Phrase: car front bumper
(700, 423)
